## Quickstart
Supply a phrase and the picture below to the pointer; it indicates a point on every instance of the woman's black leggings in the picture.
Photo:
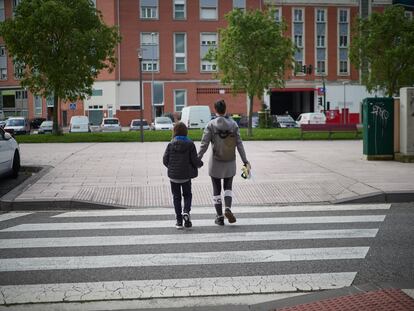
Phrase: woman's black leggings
(228, 194)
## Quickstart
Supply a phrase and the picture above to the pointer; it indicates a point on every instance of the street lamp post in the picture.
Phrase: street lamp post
(152, 73)
(140, 95)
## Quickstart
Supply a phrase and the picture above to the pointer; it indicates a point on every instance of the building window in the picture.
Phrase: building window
(180, 9)
(343, 66)
(343, 41)
(298, 38)
(37, 103)
(3, 63)
(278, 15)
(239, 4)
(3, 73)
(150, 51)
(180, 100)
(298, 41)
(208, 9)
(408, 14)
(298, 15)
(320, 41)
(321, 67)
(158, 93)
(180, 62)
(320, 15)
(320, 29)
(149, 9)
(2, 15)
(18, 69)
(207, 41)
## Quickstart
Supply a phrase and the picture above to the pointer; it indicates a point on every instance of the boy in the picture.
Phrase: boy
(182, 162)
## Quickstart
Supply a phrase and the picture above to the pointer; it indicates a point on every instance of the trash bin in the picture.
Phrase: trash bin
(378, 124)
(236, 118)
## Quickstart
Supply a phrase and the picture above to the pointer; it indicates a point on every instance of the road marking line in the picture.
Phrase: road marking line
(144, 289)
(8, 216)
(186, 238)
(173, 259)
(239, 210)
(196, 223)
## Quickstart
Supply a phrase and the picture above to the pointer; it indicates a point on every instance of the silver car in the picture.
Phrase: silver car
(9, 155)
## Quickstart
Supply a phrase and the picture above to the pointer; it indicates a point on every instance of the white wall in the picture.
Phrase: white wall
(128, 93)
(354, 94)
(108, 98)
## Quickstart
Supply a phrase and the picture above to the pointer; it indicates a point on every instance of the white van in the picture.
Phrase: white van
(79, 124)
(196, 117)
(311, 118)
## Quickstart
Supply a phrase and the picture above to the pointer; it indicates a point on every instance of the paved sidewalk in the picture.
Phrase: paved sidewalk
(284, 172)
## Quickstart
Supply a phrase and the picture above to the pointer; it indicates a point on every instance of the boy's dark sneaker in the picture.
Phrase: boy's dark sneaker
(219, 220)
(187, 221)
(179, 224)
(229, 215)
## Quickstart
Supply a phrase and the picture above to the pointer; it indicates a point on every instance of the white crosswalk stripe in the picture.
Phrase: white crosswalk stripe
(139, 265)
(8, 216)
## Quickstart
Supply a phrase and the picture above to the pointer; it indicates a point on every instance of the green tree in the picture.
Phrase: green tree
(383, 48)
(60, 46)
(253, 54)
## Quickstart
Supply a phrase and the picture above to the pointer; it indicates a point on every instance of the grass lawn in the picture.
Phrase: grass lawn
(151, 136)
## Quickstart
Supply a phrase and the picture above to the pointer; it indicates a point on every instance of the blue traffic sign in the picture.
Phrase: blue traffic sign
(72, 106)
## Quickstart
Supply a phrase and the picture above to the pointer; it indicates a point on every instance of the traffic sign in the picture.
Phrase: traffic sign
(72, 106)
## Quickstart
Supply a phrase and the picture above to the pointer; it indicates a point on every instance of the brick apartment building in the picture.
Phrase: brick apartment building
(173, 37)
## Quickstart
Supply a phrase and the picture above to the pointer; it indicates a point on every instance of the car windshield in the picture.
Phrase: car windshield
(163, 120)
(111, 121)
(46, 123)
(15, 122)
(138, 123)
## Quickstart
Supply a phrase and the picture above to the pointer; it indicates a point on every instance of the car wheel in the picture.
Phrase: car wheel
(16, 165)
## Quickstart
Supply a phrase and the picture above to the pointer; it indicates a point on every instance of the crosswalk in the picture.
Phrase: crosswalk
(138, 254)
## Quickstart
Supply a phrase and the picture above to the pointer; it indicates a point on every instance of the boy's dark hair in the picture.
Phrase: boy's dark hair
(220, 106)
(180, 129)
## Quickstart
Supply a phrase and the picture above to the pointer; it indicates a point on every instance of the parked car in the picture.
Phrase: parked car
(136, 125)
(162, 123)
(2, 123)
(311, 118)
(17, 125)
(244, 121)
(45, 127)
(110, 125)
(79, 124)
(9, 155)
(196, 116)
(285, 121)
(35, 123)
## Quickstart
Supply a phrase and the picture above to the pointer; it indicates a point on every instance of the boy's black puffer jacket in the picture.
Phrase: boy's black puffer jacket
(180, 158)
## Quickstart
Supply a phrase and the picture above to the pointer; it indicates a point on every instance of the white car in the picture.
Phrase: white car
(110, 125)
(311, 118)
(9, 155)
(162, 123)
(136, 125)
(79, 124)
(17, 125)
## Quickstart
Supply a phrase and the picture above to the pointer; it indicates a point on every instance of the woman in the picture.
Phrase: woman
(223, 133)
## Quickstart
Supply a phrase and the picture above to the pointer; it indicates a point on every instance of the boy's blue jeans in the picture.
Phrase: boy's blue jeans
(187, 195)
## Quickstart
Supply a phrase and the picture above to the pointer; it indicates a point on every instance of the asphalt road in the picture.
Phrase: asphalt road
(387, 256)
